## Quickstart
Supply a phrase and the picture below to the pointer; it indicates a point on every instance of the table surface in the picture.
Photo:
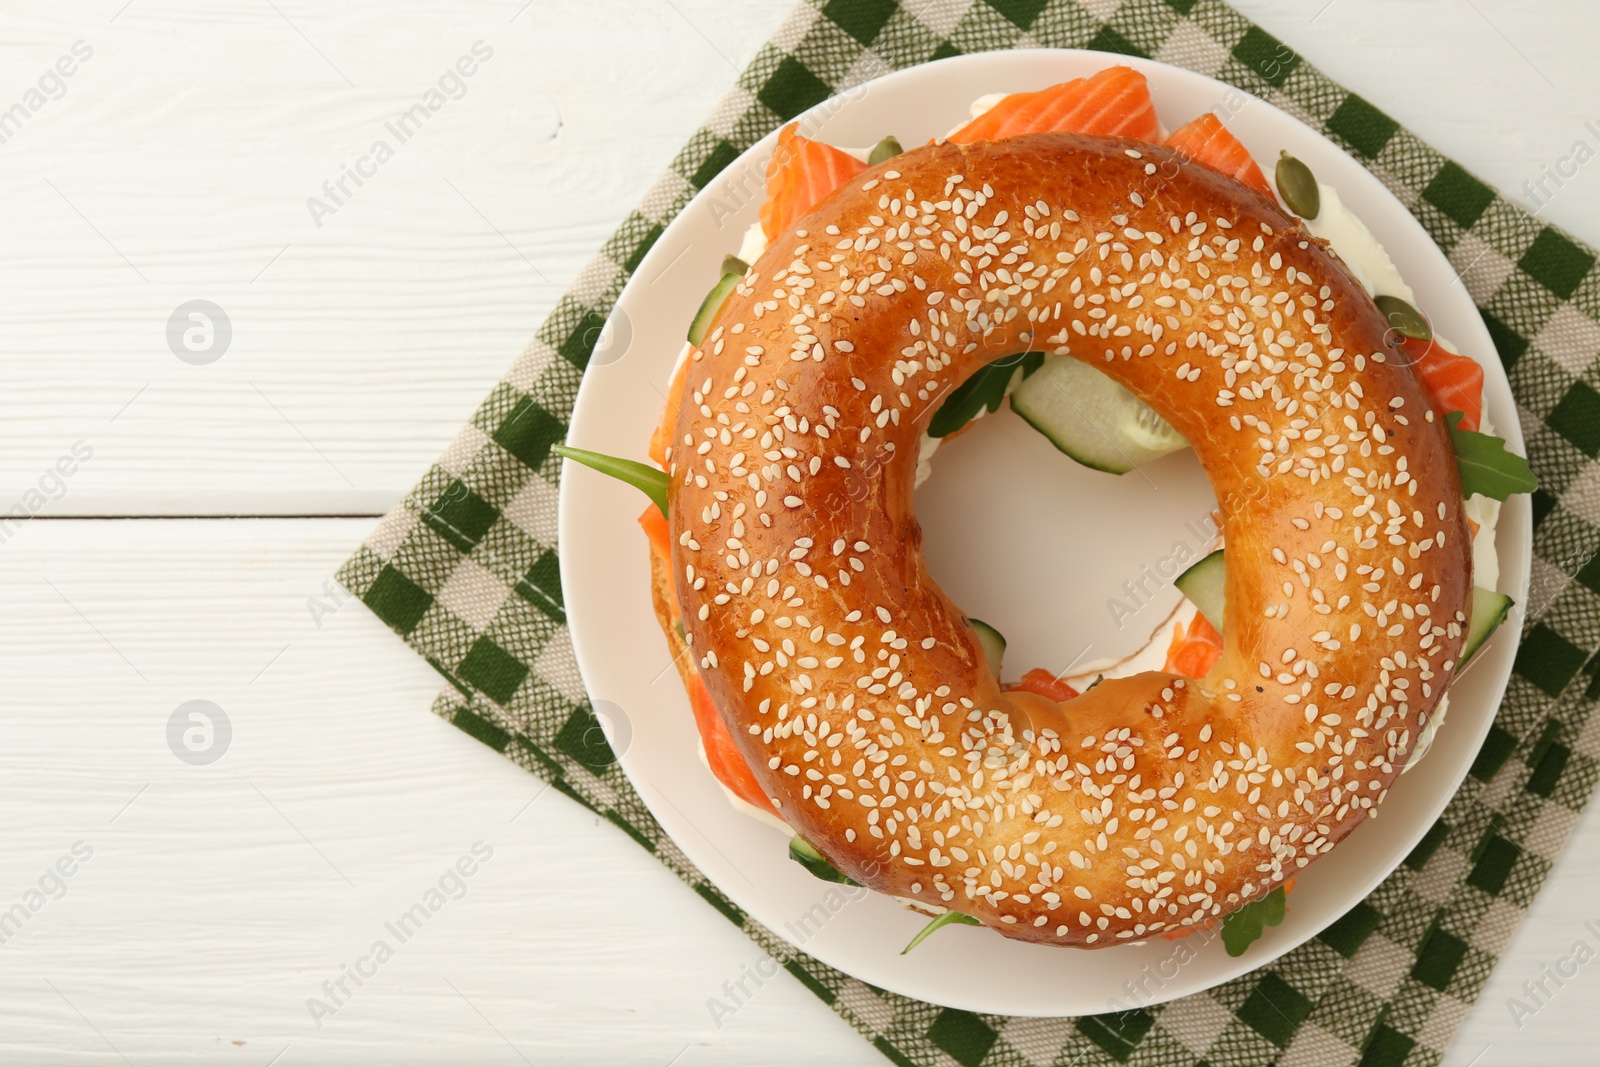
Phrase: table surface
(176, 163)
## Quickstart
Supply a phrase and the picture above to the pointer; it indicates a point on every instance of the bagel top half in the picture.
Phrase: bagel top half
(857, 689)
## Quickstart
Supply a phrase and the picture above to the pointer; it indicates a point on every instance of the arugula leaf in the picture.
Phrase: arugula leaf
(985, 389)
(642, 476)
(1486, 466)
(806, 855)
(944, 920)
(1244, 927)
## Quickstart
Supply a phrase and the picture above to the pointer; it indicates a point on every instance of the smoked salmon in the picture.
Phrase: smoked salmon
(1193, 652)
(1207, 141)
(800, 174)
(722, 754)
(662, 437)
(1045, 684)
(1113, 103)
(1454, 381)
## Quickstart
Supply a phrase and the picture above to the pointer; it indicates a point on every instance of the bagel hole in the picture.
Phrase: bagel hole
(1074, 566)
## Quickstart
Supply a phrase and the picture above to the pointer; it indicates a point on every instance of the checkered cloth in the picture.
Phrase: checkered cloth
(465, 568)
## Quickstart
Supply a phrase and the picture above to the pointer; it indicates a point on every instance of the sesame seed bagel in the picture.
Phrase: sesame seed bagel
(858, 691)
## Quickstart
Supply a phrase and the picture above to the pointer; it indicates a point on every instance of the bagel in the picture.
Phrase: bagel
(857, 691)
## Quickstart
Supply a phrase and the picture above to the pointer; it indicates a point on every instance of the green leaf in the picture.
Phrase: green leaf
(946, 919)
(1486, 466)
(1244, 927)
(643, 477)
(806, 855)
(984, 390)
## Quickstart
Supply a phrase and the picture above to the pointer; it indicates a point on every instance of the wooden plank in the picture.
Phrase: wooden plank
(219, 898)
(179, 162)
(178, 166)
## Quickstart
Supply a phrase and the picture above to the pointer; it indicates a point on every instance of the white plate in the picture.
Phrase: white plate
(1073, 537)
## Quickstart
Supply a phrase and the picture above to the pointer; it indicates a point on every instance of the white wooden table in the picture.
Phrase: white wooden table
(175, 164)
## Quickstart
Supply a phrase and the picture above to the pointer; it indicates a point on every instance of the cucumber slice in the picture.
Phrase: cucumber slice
(994, 645)
(806, 855)
(1489, 609)
(710, 306)
(735, 265)
(1092, 418)
(1203, 584)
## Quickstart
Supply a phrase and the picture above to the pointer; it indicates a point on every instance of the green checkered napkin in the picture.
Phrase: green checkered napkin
(465, 568)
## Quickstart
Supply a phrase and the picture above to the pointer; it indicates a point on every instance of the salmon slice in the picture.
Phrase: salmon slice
(655, 529)
(726, 761)
(1206, 141)
(800, 174)
(1194, 653)
(722, 754)
(1113, 103)
(1454, 381)
(1045, 684)
(662, 437)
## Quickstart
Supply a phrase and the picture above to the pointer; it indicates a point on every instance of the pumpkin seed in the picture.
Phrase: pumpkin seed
(887, 148)
(1298, 186)
(1404, 319)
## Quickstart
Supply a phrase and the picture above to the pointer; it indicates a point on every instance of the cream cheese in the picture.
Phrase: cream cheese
(979, 106)
(1486, 513)
(688, 349)
(754, 243)
(1426, 735)
(1152, 657)
(1485, 560)
(1354, 244)
(925, 452)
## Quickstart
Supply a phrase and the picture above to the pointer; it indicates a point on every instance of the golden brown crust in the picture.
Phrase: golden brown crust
(857, 690)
